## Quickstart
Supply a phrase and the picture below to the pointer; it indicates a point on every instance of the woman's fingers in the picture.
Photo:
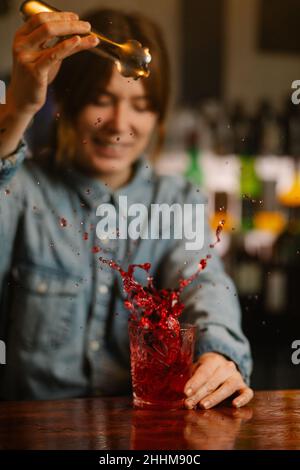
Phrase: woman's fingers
(221, 374)
(230, 386)
(200, 377)
(55, 29)
(37, 20)
(245, 395)
(64, 49)
(215, 379)
(224, 391)
(87, 42)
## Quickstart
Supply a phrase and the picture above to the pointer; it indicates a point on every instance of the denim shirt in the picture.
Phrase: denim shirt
(63, 318)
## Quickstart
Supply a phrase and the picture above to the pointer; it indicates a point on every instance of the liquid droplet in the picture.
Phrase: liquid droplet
(63, 222)
(218, 233)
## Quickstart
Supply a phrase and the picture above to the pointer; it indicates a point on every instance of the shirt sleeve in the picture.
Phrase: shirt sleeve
(11, 208)
(10, 164)
(211, 301)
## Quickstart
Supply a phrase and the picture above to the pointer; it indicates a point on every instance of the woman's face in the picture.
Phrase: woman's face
(113, 133)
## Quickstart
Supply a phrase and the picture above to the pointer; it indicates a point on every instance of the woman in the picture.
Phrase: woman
(62, 313)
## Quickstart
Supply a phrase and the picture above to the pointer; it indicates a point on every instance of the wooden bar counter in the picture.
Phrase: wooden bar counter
(271, 421)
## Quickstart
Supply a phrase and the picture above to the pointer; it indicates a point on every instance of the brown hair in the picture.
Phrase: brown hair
(84, 75)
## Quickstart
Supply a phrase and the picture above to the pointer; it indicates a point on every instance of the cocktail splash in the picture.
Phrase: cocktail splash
(161, 348)
(156, 308)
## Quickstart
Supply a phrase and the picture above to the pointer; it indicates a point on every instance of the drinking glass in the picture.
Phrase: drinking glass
(161, 364)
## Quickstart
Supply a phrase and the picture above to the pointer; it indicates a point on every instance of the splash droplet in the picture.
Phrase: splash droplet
(63, 222)
(218, 233)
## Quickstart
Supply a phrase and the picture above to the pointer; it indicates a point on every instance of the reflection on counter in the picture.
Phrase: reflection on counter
(205, 430)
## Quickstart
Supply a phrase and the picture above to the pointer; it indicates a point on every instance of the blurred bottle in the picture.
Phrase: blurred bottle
(248, 276)
(269, 218)
(269, 131)
(244, 137)
(250, 188)
(219, 128)
(245, 146)
(174, 158)
(224, 137)
(222, 206)
(292, 129)
(287, 247)
(193, 171)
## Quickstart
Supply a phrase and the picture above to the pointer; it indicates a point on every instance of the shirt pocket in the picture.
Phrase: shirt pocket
(43, 310)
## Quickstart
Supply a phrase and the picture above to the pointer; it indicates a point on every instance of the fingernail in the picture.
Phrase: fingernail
(94, 40)
(189, 392)
(238, 403)
(190, 404)
(205, 404)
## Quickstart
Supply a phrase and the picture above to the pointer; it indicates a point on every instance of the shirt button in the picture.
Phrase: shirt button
(103, 289)
(94, 345)
(42, 288)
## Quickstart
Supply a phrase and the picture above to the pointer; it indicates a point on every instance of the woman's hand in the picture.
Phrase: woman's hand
(214, 379)
(35, 65)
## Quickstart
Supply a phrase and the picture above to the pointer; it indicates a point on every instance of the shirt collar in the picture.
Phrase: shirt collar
(93, 191)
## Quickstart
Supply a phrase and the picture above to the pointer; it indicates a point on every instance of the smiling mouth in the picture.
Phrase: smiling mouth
(108, 144)
(109, 150)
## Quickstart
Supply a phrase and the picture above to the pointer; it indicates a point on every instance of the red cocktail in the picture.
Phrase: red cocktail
(161, 364)
(162, 350)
